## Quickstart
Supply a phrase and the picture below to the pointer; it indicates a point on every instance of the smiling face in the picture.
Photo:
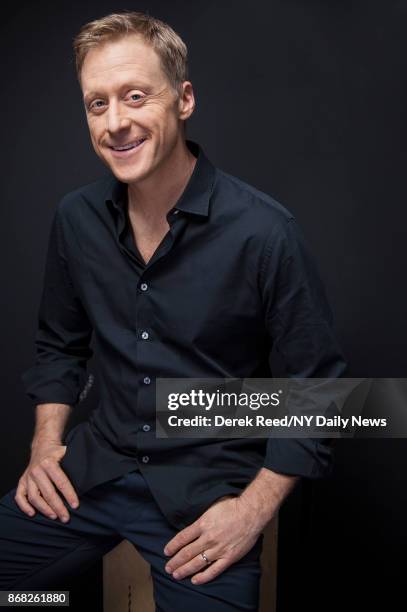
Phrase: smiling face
(130, 103)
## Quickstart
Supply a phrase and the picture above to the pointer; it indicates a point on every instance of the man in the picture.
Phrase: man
(178, 270)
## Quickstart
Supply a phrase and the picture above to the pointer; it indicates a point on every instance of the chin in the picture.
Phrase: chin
(129, 175)
(130, 172)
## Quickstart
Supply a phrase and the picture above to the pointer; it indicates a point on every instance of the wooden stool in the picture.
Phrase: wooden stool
(128, 587)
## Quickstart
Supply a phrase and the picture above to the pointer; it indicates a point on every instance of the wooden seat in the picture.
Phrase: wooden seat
(127, 583)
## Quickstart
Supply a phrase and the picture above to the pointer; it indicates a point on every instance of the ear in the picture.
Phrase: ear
(186, 101)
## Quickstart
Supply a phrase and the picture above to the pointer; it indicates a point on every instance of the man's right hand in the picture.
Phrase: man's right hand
(37, 487)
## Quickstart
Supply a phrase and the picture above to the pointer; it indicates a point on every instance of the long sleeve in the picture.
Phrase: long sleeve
(64, 331)
(299, 321)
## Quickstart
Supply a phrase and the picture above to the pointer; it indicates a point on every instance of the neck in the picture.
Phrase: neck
(153, 197)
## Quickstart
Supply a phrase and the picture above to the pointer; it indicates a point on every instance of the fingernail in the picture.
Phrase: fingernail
(167, 569)
(65, 519)
(53, 516)
(74, 505)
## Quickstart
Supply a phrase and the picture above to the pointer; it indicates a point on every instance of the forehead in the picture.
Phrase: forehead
(113, 61)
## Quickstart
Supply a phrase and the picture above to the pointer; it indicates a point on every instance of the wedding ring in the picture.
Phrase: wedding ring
(205, 558)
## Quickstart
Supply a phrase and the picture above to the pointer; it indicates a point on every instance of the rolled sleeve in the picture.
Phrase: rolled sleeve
(300, 324)
(62, 341)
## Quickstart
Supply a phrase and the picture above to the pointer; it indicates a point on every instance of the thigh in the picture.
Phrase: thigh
(41, 553)
(235, 590)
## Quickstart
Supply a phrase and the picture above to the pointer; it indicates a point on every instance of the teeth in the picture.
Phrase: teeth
(129, 146)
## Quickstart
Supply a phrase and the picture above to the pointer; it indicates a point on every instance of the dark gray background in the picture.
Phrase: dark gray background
(305, 100)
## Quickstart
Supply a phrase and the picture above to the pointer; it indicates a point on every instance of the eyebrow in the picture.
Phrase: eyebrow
(132, 85)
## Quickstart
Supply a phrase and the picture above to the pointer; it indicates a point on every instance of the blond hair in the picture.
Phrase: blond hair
(168, 45)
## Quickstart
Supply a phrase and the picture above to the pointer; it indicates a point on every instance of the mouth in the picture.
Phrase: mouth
(127, 149)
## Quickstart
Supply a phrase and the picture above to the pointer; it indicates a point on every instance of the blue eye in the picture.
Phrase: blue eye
(94, 103)
(139, 95)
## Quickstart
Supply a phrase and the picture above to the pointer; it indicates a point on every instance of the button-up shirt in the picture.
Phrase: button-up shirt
(231, 280)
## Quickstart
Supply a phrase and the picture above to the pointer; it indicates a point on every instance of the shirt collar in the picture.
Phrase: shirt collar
(196, 195)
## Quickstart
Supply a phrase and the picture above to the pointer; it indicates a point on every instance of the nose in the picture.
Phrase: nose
(116, 119)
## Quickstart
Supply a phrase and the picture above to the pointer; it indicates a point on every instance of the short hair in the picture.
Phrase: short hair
(168, 45)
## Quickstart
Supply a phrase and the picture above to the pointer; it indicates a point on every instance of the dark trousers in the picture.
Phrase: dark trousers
(40, 553)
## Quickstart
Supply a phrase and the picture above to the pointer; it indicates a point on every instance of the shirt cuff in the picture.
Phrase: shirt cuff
(51, 384)
(305, 457)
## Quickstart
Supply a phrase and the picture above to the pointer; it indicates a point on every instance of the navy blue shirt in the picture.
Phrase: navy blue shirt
(231, 280)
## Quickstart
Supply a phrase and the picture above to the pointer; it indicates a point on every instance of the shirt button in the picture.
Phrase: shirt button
(144, 335)
(144, 286)
(146, 380)
(146, 428)
(145, 459)
(176, 212)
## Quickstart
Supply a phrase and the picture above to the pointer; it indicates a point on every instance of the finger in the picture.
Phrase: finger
(49, 493)
(62, 483)
(35, 498)
(183, 538)
(213, 570)
(187, 553)
(21, 500)
(196, 564)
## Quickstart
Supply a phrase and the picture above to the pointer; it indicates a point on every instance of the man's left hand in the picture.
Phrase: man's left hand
(224, 533)
(228, 529)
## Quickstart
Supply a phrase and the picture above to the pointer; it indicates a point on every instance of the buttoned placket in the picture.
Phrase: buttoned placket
(144, 325)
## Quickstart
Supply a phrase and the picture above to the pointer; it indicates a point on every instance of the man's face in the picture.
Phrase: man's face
(128, 98)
